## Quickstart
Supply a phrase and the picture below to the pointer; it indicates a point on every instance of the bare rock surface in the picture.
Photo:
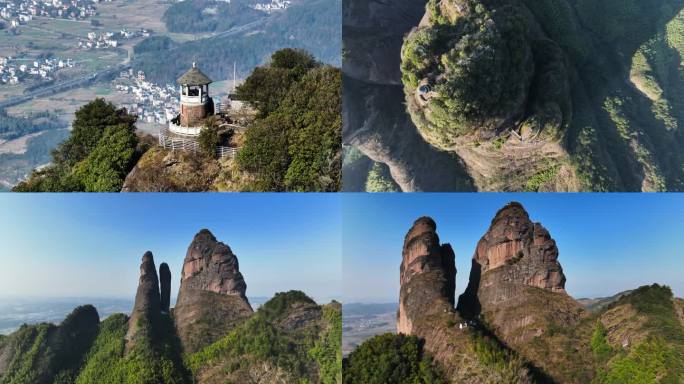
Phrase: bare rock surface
(426, 310)
(147, 308)
(211, 298)
(517, 287)
(427, 275)
(513, 254)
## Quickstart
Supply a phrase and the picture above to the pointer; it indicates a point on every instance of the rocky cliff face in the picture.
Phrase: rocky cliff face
(426, 310)
(517, 287)
(211, 299)
(427, 275)
(374, 116)
(161, 170)
(147, 308)
(513, 254)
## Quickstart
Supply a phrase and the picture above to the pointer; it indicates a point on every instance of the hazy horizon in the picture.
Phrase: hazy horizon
(85, 245)
(607, 243)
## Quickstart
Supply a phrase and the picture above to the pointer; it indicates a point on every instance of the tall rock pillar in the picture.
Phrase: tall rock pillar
(211, 297)
(147, 307)
(165, 283)
(427, 275)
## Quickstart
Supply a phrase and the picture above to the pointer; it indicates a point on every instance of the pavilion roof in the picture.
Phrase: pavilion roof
(194, 77)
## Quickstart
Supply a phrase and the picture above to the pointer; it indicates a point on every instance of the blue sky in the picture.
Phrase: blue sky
(607, 242)
(90, 245)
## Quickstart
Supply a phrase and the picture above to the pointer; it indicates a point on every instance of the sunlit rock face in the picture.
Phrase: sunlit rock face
(514, 253)
(147, 308)
(526, 248)
(211, 298)
(427, 275)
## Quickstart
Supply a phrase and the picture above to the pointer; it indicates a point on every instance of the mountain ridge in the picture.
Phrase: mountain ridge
(159, 346)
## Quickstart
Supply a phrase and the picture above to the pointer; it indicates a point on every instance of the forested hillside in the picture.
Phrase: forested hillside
(313, 25)
(208, 15)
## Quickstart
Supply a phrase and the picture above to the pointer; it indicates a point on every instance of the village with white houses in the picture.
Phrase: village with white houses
(18, 12)
(152, 103)
(102, 40)
(274, 5)
(15, 71)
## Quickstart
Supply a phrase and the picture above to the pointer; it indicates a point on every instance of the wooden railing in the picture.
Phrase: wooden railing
(168, 141)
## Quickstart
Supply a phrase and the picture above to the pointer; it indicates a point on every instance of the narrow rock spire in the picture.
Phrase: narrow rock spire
(147, 307)
(427, 275)
(165, 284)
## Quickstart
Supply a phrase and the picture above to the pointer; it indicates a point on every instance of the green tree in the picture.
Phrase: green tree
(297, 60)
(390, 358)
(294, 145)
(313, 113)
(85, 151)
(105, 169)
(264, 154)
(209, 140)
(267, 86)
(599, 345)
(379, 180)
(89, 125)
(328, 349)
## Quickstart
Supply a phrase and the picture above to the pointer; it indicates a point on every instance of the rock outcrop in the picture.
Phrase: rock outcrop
(517, 287)
(374, 117)
(147, 308)
(427, 275)
(426, 310)
(165, 285)
(513, 254)
(161, 170)
(211, 298)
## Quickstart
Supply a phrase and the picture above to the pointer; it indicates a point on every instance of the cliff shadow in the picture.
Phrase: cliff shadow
(469, 306)
(604, 94)
(375, 119)
(538, 376)
(168, 344)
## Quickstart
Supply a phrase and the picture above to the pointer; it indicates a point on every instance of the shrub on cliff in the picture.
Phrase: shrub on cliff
(209, 140)
(100, 151)
(390, 358)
